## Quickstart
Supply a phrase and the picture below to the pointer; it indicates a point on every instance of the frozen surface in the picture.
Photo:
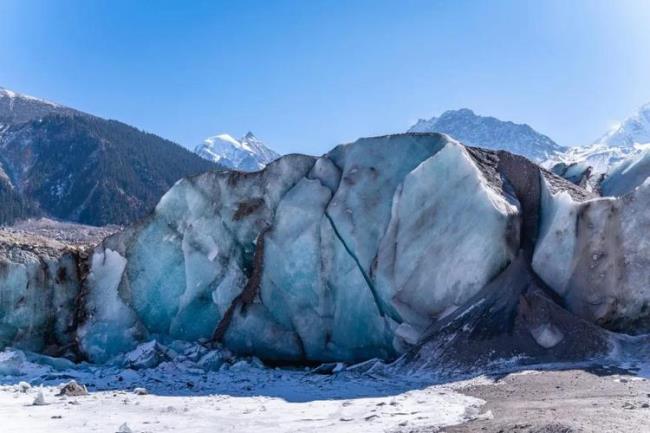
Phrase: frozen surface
(244, 396)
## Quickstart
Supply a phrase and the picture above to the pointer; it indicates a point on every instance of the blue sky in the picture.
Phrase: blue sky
(306, 75)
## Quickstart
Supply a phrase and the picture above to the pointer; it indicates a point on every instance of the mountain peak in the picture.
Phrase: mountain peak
(460, 111)
(632, 131)
(17, 107)
(491, 133)
(7, 93)
(246, 154)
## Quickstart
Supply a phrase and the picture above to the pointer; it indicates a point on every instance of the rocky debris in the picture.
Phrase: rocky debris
(36, 231)
(73, 389)
(564, 400)
(505, 323)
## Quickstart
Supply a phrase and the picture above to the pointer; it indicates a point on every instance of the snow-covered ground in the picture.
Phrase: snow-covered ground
(240, 396)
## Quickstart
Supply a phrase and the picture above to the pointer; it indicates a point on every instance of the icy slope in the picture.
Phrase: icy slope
(246, 154)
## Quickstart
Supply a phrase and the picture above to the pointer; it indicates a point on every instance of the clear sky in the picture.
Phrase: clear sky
(305, 75)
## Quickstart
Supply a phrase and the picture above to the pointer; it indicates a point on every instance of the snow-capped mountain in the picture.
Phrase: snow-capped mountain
(246, 154)
(627, 140)
(491, 133)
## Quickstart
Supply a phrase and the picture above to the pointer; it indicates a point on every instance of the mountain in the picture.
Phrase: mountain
(17, 108)
(627, 140)
(58, 162)
(246, 154)
(491, 133)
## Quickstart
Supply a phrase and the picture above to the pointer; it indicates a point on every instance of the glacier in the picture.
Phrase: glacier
(596, 256)
(294, 263)
(403, 245)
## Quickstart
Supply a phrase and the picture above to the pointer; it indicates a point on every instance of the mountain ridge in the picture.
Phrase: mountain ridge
(629, 139)
(60, 162)
(491, 133)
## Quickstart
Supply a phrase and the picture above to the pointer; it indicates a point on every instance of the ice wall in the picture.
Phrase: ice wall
(38, 290)
(341, 258)
(370, 250)
(596, 255)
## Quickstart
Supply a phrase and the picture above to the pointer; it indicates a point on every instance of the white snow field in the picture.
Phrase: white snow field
(243, 397)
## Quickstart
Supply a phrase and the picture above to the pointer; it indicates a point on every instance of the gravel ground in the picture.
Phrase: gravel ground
(569, 401)
(54, 236)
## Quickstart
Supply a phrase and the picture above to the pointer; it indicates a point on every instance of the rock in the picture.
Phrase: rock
(73, 389)
(501, 324)
(24, 386)
(140, 391)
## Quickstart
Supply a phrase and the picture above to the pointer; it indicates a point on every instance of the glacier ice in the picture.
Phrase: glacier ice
(378, 248)
(110, 326)
(595, 255)
(627, 175)
(450, 233)
(38, 289)
(297, 262)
